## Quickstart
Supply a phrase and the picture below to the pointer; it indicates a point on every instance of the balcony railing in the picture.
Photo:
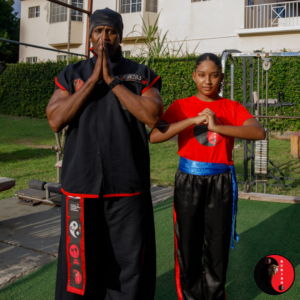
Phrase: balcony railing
(283, 14)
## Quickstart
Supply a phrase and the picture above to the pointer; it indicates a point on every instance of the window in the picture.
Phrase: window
(58, 12)
(281, 8)
(61, 57)
(31, 59)
(77, 15)
(130, 6)
(34, 12)
(126, 53)
(151, 6)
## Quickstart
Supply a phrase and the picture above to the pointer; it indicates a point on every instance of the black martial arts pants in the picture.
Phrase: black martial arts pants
(202, 225)
(119, 250)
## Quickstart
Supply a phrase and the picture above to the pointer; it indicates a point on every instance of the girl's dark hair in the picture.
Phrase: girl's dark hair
(215, 59)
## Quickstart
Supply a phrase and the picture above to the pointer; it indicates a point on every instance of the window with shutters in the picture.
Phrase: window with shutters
(130, 6)
(151, 6)
(58, 13)
(34, 12)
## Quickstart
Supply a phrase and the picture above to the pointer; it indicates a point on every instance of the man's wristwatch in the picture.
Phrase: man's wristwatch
(115, 82)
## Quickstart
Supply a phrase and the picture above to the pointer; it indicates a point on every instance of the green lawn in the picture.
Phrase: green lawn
(264, 228)
(25, 154)
(25, 151)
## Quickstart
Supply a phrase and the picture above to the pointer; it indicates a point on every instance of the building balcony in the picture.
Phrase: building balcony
(58, 33)
(271, 18)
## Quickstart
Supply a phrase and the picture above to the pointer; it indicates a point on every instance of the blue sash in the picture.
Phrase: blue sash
(204, 169)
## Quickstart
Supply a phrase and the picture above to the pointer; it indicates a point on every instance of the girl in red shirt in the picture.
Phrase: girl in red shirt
(205, 195)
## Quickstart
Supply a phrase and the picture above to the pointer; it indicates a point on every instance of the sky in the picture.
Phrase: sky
(17, 6)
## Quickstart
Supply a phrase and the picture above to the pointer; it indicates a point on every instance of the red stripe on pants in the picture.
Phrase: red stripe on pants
(177, 269)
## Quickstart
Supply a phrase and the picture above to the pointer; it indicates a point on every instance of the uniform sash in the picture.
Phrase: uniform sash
(205, 169)
(75, 242)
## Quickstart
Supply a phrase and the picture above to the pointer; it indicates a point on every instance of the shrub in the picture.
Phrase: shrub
(25, 89)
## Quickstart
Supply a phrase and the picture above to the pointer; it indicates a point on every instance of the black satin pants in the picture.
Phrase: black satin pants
(202, 225)
(119, 250)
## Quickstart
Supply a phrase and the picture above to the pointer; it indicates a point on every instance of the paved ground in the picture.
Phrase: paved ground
(29, 236)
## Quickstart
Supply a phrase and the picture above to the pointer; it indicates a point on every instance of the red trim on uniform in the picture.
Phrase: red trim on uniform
(68, 242)
(78, 195)
(92, 50)
(121, 195)
(177, 269)
(150, 85)
(82, 247)
(72, 289)
(58, 84)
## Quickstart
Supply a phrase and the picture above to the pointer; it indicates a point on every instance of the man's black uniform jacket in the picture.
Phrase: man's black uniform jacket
(106, 146)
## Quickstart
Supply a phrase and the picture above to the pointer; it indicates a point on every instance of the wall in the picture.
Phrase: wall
(37, 31)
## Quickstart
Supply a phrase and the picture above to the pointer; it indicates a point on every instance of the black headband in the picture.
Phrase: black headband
(107, 17)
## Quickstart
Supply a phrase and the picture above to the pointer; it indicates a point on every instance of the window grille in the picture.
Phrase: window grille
(61, 57)
(130, 6)
(58, 12)
(199, 0)
(151, 6)
(31, 59)
(126, 53)
(34, 12)
(77, 15)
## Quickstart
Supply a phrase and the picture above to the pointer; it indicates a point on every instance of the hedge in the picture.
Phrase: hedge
(25, 89)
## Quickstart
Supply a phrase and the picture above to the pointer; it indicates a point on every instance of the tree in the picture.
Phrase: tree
(9, 29)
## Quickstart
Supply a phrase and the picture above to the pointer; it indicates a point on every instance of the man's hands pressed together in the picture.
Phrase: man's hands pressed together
(106, 64)
(98, 71)
(103, 69)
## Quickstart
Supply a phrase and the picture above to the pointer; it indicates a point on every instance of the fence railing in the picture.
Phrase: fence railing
(272, 15)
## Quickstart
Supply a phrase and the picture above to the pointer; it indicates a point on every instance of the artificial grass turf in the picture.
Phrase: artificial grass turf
(264, 228)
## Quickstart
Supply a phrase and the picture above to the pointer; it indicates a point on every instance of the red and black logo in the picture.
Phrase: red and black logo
(74, 251)
(78, 277)
(206, 137)
(77, 84)
(274, 274)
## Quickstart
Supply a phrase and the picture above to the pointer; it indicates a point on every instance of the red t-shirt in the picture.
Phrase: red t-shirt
(197, 142)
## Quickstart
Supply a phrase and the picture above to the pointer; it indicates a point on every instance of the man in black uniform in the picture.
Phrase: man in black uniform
(107, 245)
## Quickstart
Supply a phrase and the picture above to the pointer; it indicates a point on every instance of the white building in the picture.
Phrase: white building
(207, 25)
